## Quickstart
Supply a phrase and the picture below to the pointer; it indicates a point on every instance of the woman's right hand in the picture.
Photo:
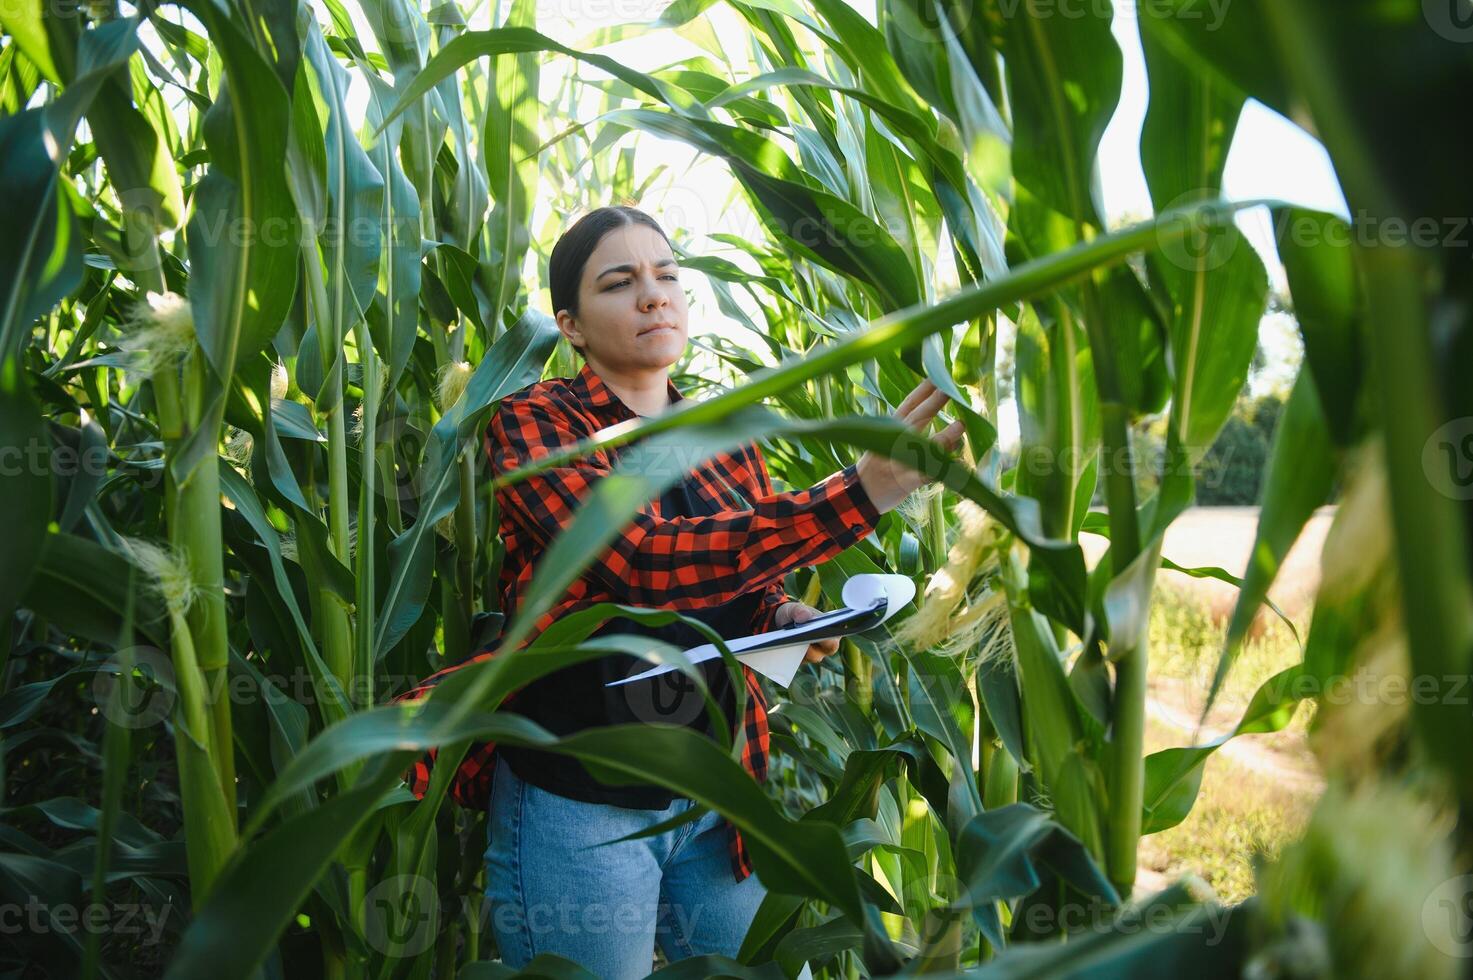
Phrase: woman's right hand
(888, 482)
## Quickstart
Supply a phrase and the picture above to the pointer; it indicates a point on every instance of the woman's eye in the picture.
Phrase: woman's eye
(624, 282)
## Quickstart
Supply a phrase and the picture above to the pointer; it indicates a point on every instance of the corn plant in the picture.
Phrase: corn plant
(249, 338)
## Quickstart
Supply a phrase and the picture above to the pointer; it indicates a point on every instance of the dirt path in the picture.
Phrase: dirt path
(1256, 794)
(1223, 537)
(1282, 756)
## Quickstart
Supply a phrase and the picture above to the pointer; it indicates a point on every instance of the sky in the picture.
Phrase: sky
(1270, 156)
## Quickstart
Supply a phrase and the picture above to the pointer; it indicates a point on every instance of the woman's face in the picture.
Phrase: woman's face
(632, 312)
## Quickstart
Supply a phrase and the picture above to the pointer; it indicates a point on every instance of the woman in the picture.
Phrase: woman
(714, 547)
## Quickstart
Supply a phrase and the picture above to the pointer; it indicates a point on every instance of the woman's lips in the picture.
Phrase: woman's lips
(651, 330)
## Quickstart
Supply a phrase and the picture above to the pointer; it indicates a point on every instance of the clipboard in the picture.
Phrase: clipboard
(869, 600)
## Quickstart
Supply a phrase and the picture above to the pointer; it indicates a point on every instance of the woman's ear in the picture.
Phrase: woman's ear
(567, 325)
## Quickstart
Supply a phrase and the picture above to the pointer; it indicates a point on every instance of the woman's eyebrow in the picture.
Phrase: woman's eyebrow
(663, 263)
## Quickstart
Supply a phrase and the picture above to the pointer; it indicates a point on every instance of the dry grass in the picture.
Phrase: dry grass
(1242, 812)
(1258, 790)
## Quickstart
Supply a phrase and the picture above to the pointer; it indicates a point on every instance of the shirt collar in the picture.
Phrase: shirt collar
(590, 388)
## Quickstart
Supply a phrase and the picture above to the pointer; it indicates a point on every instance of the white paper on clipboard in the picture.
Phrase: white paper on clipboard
(869, 600)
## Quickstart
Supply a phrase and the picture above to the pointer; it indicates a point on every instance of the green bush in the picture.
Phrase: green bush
(1232, 471)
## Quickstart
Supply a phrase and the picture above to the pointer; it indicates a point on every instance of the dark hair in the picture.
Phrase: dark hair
(570, 254)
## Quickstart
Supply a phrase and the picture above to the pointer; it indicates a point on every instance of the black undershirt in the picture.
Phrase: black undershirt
(574, 698)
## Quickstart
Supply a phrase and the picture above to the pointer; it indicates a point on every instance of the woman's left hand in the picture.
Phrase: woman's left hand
(796, 612)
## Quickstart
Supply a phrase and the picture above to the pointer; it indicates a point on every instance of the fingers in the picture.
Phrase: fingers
(934, 398)
(819, 649)
(948, 439)
(927, 409)
(914, 398)
(921, 406)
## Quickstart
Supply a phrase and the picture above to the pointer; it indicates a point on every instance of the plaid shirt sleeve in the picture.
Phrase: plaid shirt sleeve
(764, 619)
(677, 562)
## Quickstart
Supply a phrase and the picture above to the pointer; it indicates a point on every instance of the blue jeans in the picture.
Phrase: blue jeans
(555, 884)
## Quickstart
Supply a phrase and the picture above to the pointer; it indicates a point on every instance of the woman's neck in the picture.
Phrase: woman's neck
(645, 392)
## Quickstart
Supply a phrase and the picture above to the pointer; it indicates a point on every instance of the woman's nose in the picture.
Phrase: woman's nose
(653, 298)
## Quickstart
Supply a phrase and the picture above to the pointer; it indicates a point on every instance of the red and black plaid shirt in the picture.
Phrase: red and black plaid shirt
(678, 563)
